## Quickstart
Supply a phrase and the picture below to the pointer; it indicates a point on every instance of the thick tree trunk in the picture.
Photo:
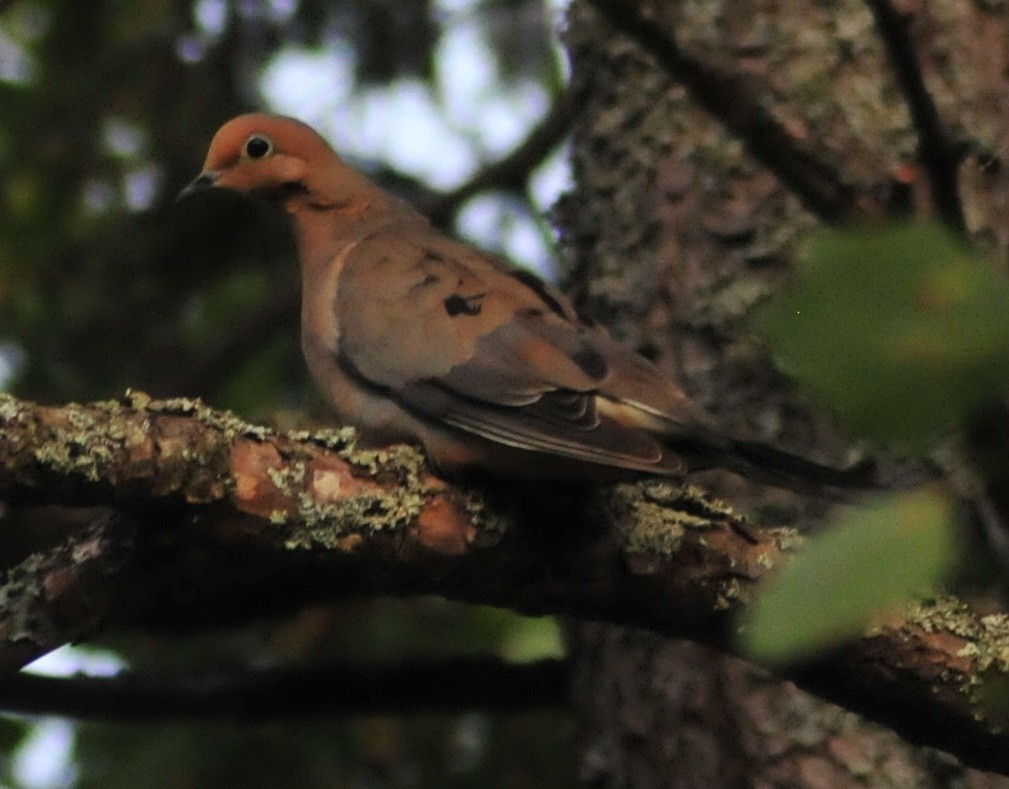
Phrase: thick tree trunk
(688, 204)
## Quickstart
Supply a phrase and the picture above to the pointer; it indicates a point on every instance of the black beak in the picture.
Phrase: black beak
(203, 182)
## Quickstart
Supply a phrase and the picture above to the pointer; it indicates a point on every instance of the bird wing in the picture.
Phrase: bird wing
(458, 337)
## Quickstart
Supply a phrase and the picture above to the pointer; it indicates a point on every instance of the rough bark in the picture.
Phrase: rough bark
(711, 137)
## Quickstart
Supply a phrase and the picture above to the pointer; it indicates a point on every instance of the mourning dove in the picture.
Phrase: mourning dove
(414, 336)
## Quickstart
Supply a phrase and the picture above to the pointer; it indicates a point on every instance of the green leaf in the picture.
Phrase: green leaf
(868, 562)
(902, 330)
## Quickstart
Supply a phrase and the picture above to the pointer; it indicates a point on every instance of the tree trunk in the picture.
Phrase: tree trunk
(689, 202)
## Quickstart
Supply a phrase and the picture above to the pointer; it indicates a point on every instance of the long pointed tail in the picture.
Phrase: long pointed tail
(768, 465)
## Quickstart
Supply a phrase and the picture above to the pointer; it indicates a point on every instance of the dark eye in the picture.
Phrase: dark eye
(256, 147)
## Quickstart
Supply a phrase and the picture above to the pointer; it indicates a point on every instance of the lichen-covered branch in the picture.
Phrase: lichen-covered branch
(939, 670)
(306, 517)
(313, 500)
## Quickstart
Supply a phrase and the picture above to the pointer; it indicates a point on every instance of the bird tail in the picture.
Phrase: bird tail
(770, 466)
(705, 447)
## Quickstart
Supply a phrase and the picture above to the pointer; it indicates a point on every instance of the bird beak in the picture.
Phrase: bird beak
(204, 181)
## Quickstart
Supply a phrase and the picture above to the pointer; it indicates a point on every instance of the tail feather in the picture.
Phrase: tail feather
(768, 465)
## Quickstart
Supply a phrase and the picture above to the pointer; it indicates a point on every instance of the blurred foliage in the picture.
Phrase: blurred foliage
(902, 330)
(107, 283)
(863, 567)
(905, 332)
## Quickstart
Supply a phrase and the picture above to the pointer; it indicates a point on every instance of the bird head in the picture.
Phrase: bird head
(274, 157)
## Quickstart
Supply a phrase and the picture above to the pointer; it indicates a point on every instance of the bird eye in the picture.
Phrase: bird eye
(257, 146)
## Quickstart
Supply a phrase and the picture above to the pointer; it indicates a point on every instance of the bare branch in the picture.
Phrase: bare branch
(311, 517)
(513, 171)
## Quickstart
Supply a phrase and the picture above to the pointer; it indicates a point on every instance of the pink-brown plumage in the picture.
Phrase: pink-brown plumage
(412, 335)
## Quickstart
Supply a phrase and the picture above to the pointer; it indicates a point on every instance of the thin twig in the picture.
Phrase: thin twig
(513, 171)
(939, 152)
(732, 100)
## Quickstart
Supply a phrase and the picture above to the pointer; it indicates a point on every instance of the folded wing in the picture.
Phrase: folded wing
(458, 338)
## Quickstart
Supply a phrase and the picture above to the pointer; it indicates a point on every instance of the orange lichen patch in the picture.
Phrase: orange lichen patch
(442, 528)
(271, 481)
(327, 484)
(139, 446)
(948, 651)
(256, 491)
(178, 441)
(246, 486)
(250, 461)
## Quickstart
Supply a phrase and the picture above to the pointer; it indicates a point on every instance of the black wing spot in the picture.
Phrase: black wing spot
(591, 363)
(432, 254)
(461, 305)
(535, 284)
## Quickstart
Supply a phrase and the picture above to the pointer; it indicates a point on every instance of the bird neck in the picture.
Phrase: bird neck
(326, 225)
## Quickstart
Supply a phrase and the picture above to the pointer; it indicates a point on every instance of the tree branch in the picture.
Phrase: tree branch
(940, 154)
(254, 695)
(66, 593)
(304, 518)
(513, 171)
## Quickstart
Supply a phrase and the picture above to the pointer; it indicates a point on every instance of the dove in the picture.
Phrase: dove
(414, 336)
